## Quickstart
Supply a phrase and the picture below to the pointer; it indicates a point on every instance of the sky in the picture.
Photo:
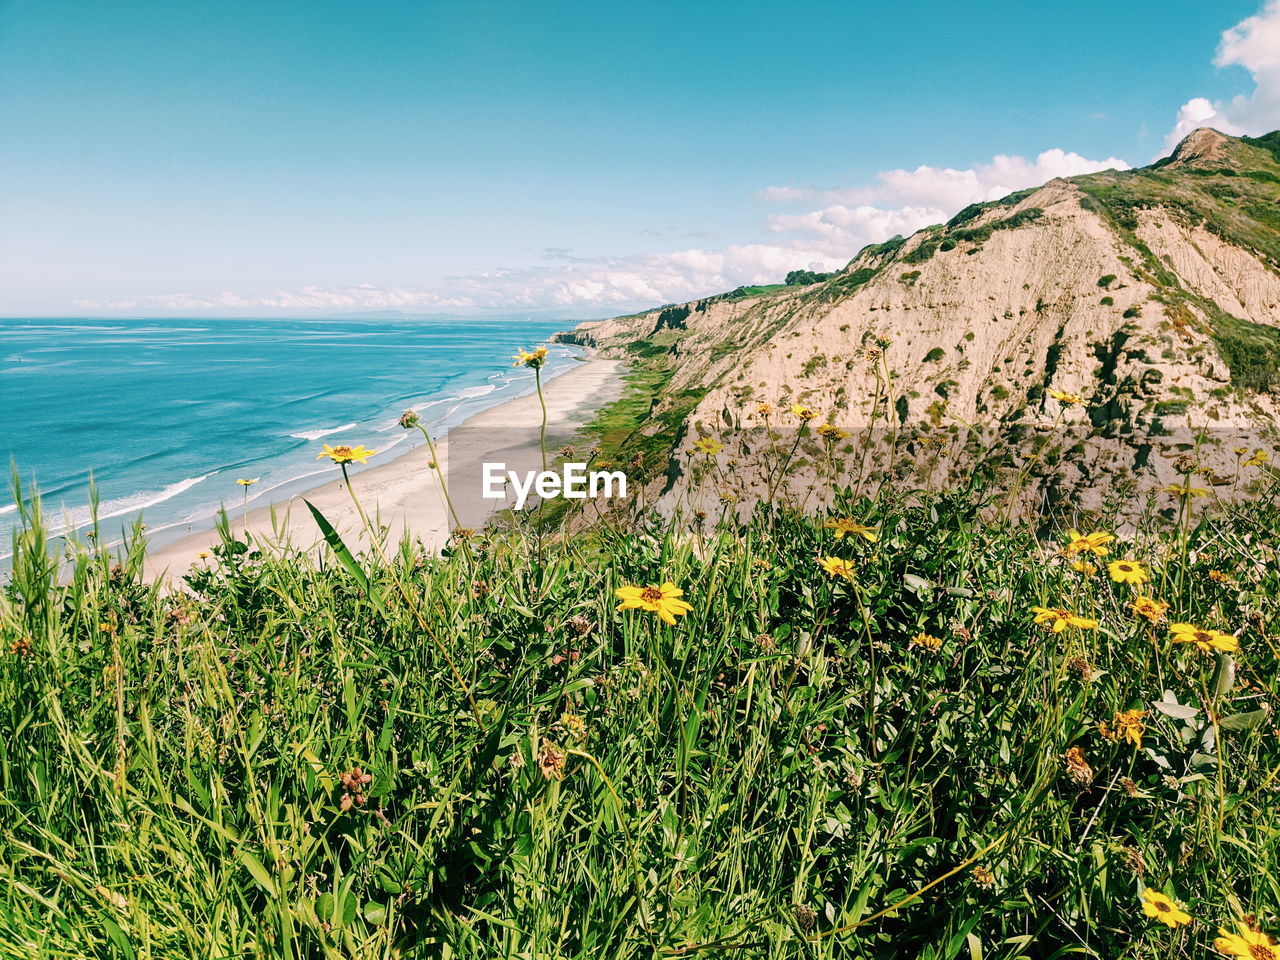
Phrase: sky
(273, 157)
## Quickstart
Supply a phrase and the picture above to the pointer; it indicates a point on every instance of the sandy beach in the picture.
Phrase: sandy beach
(404, 493)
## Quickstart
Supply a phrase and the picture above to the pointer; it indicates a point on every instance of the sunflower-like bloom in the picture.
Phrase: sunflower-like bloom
(707, 445)
(345, 454)
(804, 413)
(1150, 608)
(1095, 543)
(831, 433)
(844, 525)
(836, 567)
(765, 410)
(1078, 768)
(1207, 641)
(248, 482)
(1060, 619)
(1249, 943)
(1185, 490)
(1159, 907)
(1084, 567)
(1128, 571)
(1259, 458)
(928, 642)
(1127, 727)
(532, 360)
(664, 600)
(1070, 399)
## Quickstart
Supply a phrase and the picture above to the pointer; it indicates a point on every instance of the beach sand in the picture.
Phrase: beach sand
(404, 494)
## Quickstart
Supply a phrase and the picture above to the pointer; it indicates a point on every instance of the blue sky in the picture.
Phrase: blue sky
(290, 157)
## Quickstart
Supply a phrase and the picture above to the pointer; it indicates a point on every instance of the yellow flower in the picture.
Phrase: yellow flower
(1128, 571)
(533, 360)
(664, 600)
(1070, 399)
(830, 433)
(344, 454)
(1185, 490)
(248, 483)
(1128, 726)
(930, 643)
(707, 445)
(804, 413)
(1095, 543)
(202, 555)
(836, 567)
(1217, 576)
(1085, 567)
(1248, 943)
(1258, 459)
(1154, 610)
(1206, 640)
(1159, 907)
(764, 410)
(1060, 619)
(845, 525)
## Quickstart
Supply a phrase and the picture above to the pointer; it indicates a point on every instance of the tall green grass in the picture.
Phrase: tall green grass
(781, 774)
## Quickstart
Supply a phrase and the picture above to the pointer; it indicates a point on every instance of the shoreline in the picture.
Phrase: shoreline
(404, 493)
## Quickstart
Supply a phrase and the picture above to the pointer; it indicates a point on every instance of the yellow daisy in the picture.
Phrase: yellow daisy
(664, 600)
(1248, 943)
(844, 525)
(1154, 610)
(836, 567)
(1207, 641)
(248, 483)
(1095, 543)
(1070, 399)
(1128, 726)
(533, 360)
(1128, 571)
(1060, 619)
(1159, 907)
(707, 445)
(345, 454)
(930, 643)
(804, 413)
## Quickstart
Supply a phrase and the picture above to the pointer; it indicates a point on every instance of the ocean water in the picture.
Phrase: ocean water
(162, 416)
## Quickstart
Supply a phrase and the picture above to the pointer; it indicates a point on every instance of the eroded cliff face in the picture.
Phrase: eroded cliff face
(1154, 295)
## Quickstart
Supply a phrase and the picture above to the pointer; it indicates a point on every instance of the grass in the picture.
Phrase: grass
(277, 762)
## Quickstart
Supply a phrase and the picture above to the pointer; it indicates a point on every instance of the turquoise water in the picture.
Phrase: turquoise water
(164, 415)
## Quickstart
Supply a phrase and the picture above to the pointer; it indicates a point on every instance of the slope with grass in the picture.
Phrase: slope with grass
(1154, 294)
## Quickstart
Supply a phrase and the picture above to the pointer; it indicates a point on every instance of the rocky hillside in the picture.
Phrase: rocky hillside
(1153, 294)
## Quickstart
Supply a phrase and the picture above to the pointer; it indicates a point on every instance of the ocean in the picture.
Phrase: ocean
(162, 417)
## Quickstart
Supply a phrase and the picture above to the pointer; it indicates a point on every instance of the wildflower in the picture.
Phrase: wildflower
(581, 624)
(873, 354)
(20, 647)
(830, 433)
(805, 916)
(345, 454)
(707, 445)
(1078, 768)
(1185, 490)
(664, 600)
(1154, 610)
(1248, 943)
(1129, 785)
(982, 876)
(248, 483)
(1127, 726)
(1070, 399)
(844, 525)
(532, 360)
(1082, 668)
(410, 419)
(1206, 640)
(1095, 543)
(1258, 459)
(551, 761)
(928, 642)
(574, 725)
(836, 567)
(1217, 576)
(804, 413)
(353, 783)
(202, 555)
(1060, 619)
(1084, 567)
(765, 410)
(1159, 907)
(1240, 451)
(766, 642)
(1128, 571)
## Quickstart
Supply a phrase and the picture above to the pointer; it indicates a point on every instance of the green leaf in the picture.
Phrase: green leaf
(1224, 676)
(1171, 708)
(1243, 721)
(339, 548)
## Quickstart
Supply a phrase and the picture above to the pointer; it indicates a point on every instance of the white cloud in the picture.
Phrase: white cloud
(1254, 44)
(906, 200)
